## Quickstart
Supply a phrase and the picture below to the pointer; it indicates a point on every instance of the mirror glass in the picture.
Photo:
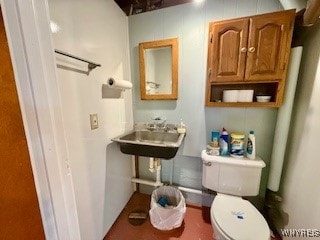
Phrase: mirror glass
(158, 69)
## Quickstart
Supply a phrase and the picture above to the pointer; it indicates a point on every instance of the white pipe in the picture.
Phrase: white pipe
(151, 164)
(146, 182)
(155, 163)
(283, 121)
(190, 190)
(158, 174)
(157, 184)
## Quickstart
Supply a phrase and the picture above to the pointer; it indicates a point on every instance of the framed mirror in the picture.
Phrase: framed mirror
(158, 62)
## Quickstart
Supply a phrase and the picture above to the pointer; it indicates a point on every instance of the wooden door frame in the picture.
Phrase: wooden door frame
(31, 50)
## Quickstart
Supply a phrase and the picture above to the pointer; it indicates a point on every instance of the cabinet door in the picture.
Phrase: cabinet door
(227, 50)
(269, 45)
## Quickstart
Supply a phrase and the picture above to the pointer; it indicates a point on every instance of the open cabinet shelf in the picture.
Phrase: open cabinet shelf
(260, 89)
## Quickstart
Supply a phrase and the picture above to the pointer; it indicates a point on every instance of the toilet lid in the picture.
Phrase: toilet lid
(238, 218)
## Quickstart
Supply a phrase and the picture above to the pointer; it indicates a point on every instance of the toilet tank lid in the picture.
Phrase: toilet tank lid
(258, 162)
(238, 218)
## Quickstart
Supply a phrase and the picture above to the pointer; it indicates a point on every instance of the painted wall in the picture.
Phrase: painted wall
(189, 22)
(301, 198)
(96, 30)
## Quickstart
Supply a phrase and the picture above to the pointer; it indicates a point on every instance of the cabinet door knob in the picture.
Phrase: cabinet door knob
(252, 49)
(243, 49)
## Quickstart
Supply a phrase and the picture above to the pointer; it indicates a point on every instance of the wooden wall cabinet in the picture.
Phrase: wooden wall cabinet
(249, 53)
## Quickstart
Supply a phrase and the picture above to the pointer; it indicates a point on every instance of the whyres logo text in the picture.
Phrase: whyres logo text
(303, 232)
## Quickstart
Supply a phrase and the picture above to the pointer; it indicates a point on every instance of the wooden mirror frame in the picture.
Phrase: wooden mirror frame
(173, 43)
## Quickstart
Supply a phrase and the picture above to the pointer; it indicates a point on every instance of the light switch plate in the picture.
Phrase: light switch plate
(94, 121)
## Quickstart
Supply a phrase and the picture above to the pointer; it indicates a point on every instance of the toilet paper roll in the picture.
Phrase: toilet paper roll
(245, 95)
(230, 96)
(119, 84)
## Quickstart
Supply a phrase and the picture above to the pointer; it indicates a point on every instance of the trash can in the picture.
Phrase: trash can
(167, 209)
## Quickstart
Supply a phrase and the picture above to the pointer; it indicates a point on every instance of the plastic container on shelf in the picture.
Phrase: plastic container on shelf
(215, 139)
(224, 143)
(251, 146)
(237, 145)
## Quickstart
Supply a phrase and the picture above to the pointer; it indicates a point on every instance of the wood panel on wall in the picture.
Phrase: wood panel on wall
(19, 208)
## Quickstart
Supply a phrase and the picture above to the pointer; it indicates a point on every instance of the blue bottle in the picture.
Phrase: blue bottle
(224, 143)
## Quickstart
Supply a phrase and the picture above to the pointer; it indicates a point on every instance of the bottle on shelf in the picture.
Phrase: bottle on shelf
(251, 146)
(224, 143)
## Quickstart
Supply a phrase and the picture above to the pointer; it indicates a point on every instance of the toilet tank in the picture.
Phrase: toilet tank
(229, 175)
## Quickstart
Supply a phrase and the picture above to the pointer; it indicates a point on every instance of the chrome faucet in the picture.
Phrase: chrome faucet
(157, 123)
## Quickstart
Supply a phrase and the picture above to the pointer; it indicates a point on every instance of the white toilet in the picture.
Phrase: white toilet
(232, 217)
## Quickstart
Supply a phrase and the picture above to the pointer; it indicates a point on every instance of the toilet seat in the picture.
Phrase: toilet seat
(238, 218)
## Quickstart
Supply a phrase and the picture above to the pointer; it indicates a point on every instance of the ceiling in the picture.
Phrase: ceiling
(131, 7)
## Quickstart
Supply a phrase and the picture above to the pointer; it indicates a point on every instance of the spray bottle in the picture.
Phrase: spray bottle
(251, 146)
(224, 143)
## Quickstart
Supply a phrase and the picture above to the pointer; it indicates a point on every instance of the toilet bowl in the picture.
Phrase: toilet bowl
(234, 218)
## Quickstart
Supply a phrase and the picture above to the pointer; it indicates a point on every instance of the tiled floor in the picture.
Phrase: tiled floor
(196, 224)
(194, 227)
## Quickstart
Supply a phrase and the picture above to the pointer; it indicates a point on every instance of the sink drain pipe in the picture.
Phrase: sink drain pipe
(155, 165)
(151, 164)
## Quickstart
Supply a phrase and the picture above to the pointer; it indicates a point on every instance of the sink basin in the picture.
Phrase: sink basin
(159, 144)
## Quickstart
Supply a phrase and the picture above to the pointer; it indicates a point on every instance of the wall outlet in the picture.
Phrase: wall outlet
(94, 121)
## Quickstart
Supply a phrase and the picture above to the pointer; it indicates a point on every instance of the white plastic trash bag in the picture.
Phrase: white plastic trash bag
(170, 215)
